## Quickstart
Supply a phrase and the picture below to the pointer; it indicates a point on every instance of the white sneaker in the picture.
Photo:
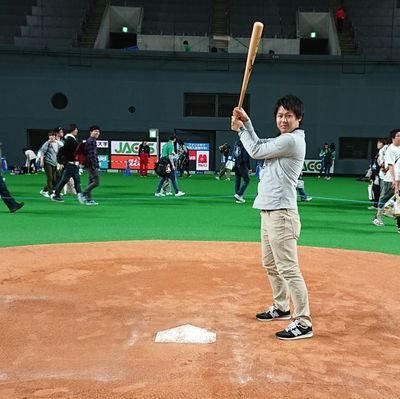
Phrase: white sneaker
(378, 222)
(180, 194)
(217, 177)
(91, 203)
(239, 199)
(81, 198)
(45, 194)
(308, 199)
(159, 194)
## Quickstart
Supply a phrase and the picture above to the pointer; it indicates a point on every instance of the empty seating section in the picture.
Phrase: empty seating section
(12, 16)
(58, 23)
(176, 17)
(42, 23)
(279, 17)
(376, 26)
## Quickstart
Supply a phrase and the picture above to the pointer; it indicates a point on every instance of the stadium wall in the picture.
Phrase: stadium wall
(344, 97)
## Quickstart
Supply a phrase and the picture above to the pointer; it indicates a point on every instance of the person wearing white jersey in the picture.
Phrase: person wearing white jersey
(397, 192)
(280, 223)
(392, 155)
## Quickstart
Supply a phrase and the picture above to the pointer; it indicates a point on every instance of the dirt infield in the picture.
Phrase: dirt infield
(79, 321)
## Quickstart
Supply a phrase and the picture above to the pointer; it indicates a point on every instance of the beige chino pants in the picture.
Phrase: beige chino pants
(280, 230)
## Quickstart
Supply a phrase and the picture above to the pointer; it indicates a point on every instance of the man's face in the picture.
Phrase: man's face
(379, 145)
(396, 140)
(95, 133)
(75, 132)
(286, 120)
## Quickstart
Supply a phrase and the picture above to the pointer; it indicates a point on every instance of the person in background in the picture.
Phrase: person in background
(30, 163)
(330, 160)
(7, 198)
(186, 46)
(242, 167)
(301, 190)
(280, 222)
(71, 166)
(397, 193)
(374, 176)
(225, 150)
(59, 134)
(168, 152)
(326, 160)
(92, 165)
(392, 155)
(144, 153)
(183, 158)
(48, 161)
(340, 18)
(60, 140)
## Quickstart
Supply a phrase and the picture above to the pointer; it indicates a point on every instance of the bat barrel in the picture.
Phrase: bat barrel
(251, 56)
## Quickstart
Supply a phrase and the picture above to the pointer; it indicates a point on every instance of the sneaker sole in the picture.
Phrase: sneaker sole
(305, 336)
(288, 317)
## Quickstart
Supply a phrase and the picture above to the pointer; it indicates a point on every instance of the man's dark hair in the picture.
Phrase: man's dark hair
(291, 103)
(393, 133)
(94, 127)
(172, 137)
(72, 127)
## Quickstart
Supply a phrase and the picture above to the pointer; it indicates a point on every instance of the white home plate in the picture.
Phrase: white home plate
(186, 334)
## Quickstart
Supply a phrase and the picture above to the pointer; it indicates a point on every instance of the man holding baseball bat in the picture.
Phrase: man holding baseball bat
(280, 223)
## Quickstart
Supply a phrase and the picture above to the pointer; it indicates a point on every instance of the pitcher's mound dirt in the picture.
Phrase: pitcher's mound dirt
(79, 321)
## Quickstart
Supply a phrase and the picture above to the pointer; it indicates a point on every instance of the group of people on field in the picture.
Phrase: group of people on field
(384, 175)
(63, 156)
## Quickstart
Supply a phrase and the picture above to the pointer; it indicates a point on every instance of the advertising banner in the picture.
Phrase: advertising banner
(102, 143)
(119, 162)
(130, 147)
(103, 161)
(202, 160)
(314, 166)
(198, 146)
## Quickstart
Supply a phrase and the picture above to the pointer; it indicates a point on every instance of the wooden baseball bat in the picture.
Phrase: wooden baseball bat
(251, 56)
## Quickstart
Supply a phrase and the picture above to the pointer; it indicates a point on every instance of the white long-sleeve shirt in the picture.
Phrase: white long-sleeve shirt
(30, 155)
(283, 162)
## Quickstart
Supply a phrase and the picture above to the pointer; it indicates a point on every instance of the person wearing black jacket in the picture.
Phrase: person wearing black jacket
(92, 164)
(375, 180)
(66, 157)
(8, 199)
(242, 166)
(225, 150)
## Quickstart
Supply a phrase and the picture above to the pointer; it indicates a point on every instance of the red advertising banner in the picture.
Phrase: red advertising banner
(119, 162)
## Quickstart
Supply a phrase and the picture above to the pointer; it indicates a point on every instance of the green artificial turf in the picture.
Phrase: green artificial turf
(337, 217)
